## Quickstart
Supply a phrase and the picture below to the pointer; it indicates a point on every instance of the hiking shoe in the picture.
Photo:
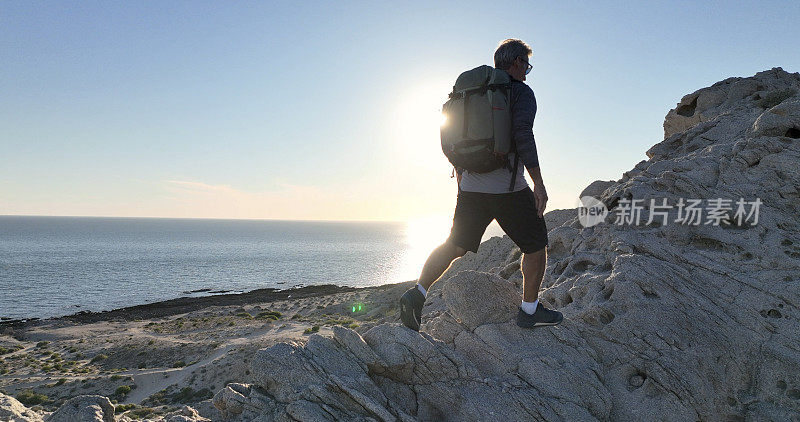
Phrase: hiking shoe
(542, 317)
(411, 308)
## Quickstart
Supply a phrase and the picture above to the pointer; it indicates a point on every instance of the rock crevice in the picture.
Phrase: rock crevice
(668, 320)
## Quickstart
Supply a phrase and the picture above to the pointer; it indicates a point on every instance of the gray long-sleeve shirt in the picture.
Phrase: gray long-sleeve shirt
(523, 111)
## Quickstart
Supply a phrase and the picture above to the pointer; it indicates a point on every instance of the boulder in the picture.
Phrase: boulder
(242, 402)
(11, 410)
(559, 217)
(475, 298)
(84, 409)
(184, 414)
(596, 188)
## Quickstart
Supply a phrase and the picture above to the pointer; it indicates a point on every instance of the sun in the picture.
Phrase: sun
(418, 119)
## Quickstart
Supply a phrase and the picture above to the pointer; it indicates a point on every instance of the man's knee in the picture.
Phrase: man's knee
(457, 251)
(537, 254)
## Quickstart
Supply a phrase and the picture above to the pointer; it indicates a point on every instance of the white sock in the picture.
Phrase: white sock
(530, 307)
(422, 289)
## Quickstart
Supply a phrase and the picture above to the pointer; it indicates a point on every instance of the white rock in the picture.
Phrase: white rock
(662, 322)
(12, 410)
(84, 409)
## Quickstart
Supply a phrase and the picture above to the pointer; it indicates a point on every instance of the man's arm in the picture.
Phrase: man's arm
(523, 111)
(536, 174)
(522, 114)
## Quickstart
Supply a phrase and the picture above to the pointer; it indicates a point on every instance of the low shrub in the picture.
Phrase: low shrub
(273, 315)
(98, 358)
(122, 390)
(31, 398)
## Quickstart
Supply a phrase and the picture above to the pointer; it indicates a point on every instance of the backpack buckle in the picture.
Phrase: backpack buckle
(457, 95)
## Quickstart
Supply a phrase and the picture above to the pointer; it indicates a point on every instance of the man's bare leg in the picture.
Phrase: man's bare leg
(532, 313)
(438, 262)
(533, 265)
(414, 298)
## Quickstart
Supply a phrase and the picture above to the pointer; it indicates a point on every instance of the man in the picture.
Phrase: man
(483, 197)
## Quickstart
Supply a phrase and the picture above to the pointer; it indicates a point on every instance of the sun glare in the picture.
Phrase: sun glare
(426, 233)
(422, 236)
(418, 120)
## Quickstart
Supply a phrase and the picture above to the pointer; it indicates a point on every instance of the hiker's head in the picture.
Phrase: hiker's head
(513, 56)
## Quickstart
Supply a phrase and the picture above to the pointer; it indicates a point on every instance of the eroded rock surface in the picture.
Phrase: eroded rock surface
(663, 321)
(12, 410)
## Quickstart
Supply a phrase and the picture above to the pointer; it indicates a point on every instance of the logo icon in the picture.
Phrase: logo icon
(591, 211)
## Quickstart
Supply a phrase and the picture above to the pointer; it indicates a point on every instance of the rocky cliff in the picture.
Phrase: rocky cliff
(663, 321)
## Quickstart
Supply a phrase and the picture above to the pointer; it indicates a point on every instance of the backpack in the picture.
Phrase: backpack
(476, 135)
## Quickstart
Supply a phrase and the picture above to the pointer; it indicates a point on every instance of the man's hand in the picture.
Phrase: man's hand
(539, 192)
(540, 195)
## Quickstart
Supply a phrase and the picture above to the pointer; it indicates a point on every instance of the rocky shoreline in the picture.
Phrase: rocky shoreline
(180, 305)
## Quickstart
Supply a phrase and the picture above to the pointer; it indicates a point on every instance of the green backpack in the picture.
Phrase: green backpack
(476, 135)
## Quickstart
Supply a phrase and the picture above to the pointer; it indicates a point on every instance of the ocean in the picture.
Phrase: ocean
(55, 266)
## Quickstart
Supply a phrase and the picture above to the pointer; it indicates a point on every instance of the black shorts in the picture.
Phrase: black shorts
(515, 213)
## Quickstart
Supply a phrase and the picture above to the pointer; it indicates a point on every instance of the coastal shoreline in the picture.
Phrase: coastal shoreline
(184, 304)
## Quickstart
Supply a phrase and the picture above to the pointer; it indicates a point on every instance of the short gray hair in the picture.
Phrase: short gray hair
(508, 51)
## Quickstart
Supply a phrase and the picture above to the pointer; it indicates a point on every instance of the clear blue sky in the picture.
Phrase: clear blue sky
(327, 110)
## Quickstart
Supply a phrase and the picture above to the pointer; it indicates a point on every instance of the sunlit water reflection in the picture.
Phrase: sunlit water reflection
(51, 266)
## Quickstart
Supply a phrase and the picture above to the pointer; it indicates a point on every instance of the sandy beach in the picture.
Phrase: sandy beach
(151, 359)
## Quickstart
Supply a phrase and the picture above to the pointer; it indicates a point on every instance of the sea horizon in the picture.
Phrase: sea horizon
(59, 265)
(52, 266)
(201, 218)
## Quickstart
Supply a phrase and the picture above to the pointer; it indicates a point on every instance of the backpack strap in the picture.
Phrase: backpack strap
(507, 88)
(514, 174)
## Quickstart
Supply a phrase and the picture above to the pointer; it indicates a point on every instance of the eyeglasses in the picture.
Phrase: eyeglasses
(530, 66)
